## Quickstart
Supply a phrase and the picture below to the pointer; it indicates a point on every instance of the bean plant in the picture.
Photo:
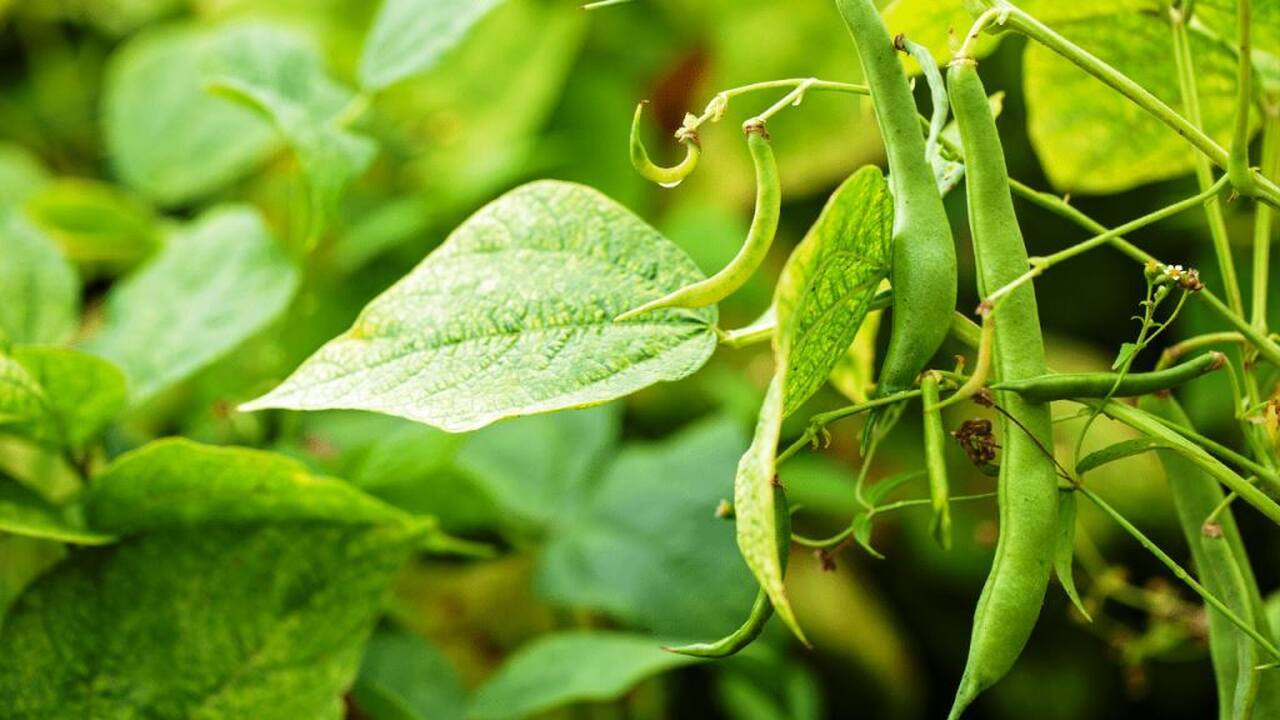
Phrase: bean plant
(175, 540)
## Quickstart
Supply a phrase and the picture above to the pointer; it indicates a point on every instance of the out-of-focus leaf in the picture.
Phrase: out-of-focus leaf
(1089, 137)
(403, 677)
(39, 290)
(768, 686)
(285, 80)
(22, 560)
(542, 468)
(77, 395)
(410, 36)
(827, 284)
(115, 17)
(570, 667)
(513, 315)
(263, 621)
(415, 468)
(21, 174)
(22, 512)
(177, 484)
(647, 547)
(94, 222)
(462, 151)
(166, 135)
(22, 400)
(216, 283)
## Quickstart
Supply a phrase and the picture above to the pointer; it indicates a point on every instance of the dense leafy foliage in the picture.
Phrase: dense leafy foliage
(316, 401)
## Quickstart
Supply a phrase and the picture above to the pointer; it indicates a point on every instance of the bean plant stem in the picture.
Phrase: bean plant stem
(821, 420)
(1172, 353)
(1203, 170)
(1238, 163)
(1181, 574)
(720, 102)
(1262, 219)
(1040, 265)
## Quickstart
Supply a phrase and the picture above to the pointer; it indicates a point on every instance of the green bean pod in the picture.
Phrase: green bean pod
(935, 462)
(667, 177)
(1027, 485)
(1061, 386)
(1222, 564)
(764, 224)
(924, 258)
(761, 609)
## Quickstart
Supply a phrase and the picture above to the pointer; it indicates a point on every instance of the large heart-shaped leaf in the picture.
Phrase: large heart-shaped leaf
(513, 315)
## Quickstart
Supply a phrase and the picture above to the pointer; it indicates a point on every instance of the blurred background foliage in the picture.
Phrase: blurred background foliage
(113, 142)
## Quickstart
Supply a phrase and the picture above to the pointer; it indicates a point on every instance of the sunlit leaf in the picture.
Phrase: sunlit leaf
(513, 315)
(1092, 139)
(827, 284)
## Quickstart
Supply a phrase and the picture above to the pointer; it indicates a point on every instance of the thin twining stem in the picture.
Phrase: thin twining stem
(720, 101)
(1203, 169)
(1175, 352)
(842, 535)
(1040, 265)
(1182, 574)
(818, 422)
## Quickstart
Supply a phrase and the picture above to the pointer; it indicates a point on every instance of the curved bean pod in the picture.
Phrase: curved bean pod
(924, 257)
(1028, 485)
(1061, 386)
(764, 224)
(667, 177)
(761, 609)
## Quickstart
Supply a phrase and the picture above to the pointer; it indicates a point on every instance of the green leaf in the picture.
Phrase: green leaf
(22, 512)
(570, 667)
(467, 152)
(79, 395)
(828, 282)
(39, 290)
(512, 315)
(647, 547)
(177, 484)
(1217, 19)
(94, 222)
(821, 300)
(22, 400)
(284, 80)
(1118, 451)
(414, 467)
(261, 621)
(1107, 144)
(1124, 355)
(410, 36)
(1064, 550)
(166, 136)
(753, 505)
(541, 468)
(219, 280)
(405, 678)
(21, 174)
